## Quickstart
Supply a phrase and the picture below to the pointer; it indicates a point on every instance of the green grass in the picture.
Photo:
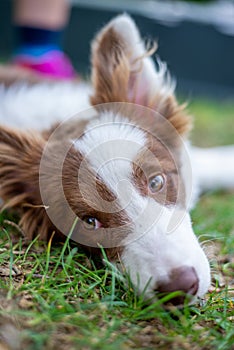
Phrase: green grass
(54, 297)
(213, 122)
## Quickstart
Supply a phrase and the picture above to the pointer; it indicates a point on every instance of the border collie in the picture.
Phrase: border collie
(110, 160)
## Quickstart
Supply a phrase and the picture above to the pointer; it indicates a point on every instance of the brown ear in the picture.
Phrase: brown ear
(123, 71)
(20, 154)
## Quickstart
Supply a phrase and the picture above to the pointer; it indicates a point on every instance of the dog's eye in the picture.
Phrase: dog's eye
(91, 223)
(156, 183)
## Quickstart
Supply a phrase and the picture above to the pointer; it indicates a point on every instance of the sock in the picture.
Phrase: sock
(40, 50)
(36, 41)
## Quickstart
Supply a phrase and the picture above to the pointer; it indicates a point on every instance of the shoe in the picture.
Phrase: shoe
(52, 64)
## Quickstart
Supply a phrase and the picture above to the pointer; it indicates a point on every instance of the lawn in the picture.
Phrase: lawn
(53, 297)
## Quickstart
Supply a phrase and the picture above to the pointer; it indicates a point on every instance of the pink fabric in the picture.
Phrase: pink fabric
(54, 64)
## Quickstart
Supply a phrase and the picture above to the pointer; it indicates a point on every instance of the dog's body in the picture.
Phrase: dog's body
(120, 166)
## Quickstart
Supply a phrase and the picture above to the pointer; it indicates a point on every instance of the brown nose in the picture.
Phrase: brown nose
(182, 279)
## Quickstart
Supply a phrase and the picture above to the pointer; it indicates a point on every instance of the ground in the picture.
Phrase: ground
(53, 297)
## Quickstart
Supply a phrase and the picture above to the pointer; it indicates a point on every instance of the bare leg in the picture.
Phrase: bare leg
(47, 14)
(39, 26)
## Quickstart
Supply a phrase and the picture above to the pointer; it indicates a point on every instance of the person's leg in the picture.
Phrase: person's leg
(40, 24)
(47, 14)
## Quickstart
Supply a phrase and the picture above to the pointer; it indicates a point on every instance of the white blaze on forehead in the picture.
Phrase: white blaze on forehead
(110, 144)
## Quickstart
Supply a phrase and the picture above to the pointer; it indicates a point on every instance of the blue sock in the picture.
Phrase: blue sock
(36, 42)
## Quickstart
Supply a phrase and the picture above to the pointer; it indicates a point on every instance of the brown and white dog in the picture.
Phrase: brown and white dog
(119, 164)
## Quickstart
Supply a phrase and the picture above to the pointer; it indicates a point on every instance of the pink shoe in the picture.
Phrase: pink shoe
(52, 64)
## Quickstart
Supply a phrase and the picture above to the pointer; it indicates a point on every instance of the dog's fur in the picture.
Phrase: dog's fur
(99, 165)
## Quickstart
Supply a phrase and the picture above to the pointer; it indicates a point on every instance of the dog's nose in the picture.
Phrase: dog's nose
(182, 279)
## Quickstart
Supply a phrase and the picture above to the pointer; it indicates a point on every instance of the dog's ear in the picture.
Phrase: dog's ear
(20, 154)
(123, 71)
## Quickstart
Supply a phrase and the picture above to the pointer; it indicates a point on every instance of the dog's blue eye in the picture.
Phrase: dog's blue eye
(91, 223)
(156, 183)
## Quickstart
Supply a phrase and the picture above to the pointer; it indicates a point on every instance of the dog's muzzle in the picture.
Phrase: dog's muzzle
(183, 279)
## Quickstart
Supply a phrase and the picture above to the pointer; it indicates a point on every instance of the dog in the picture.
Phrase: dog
(119, 173)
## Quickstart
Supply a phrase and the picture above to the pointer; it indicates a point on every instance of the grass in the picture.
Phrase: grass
(213, 122)
(54, 297)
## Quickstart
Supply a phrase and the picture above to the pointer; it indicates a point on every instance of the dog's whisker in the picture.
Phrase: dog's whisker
(117, 166)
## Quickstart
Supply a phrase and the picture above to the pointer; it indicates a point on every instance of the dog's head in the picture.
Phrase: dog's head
(121, 168)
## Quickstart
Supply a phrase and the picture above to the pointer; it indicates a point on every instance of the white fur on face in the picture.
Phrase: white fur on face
(150, 253)
(150, 258)
(110, 144)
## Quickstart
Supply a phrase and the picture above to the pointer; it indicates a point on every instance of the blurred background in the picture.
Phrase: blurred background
(196, 38)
